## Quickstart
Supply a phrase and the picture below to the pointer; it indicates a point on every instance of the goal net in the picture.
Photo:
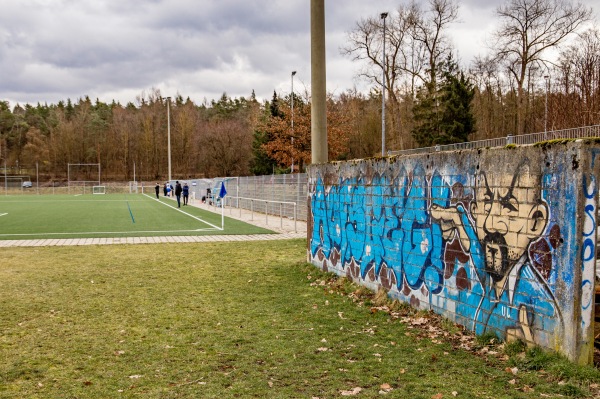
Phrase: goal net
(83, 175)
(99, 190)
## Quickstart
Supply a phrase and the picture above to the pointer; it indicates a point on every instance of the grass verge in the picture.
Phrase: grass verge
(246, 320)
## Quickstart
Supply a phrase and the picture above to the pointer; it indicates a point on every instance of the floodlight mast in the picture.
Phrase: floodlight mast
(169, 135)
(293, 73)
(546, 81)
(383, 16)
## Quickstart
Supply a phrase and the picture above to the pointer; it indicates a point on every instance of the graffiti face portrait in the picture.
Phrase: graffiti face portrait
(509, 214)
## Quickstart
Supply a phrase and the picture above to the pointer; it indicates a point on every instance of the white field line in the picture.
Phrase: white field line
(185, 213)
(166, 233)
(3, 214)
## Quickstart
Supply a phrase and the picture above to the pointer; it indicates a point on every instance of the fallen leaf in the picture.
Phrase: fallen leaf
(322, 349)
(454, 393)
(402, 371)
(512, 382)
(437, 396)
(270, 384)
(352, 392)
(385, 388)
(419, 321)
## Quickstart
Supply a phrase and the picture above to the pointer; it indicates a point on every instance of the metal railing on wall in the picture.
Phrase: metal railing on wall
(235, 202)
(523, 139)
(282, 195)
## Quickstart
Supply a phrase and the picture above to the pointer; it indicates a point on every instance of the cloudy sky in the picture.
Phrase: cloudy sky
(51, 50)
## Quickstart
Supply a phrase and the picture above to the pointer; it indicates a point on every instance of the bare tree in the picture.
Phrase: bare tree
(528, 29)
(415, 44)
(579, 75)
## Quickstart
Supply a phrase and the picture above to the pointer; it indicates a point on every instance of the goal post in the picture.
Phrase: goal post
(83, 175)
(99, 190)
(133, 187)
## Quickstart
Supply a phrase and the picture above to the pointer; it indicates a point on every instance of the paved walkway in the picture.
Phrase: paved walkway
(284, 229)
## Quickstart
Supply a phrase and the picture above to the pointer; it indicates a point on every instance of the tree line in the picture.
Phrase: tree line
(430, 100)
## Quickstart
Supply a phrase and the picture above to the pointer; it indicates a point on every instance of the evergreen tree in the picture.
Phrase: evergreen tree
(426, 115)
(444, 115)
(457, 121)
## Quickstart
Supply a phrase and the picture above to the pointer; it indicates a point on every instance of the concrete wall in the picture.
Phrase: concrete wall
(499, 240)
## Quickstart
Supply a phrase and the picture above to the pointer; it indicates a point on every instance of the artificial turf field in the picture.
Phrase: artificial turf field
(109, 215)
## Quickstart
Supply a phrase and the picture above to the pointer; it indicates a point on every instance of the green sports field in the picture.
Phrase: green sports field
(109, 215)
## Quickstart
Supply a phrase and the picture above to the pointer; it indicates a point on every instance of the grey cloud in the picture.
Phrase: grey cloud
(57, 49)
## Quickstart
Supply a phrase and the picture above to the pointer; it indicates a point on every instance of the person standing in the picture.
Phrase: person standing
(165, 190)
(157, 189)
(178, 190)
(186, 193)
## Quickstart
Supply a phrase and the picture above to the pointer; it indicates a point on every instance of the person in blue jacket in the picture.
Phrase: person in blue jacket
(186, 193)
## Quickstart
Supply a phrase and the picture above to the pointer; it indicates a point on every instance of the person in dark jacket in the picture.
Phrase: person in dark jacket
(157, 189)
(186, 193)
(178, 190)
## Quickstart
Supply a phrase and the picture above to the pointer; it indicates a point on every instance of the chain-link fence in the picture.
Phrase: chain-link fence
(14, 186)
(279, 195)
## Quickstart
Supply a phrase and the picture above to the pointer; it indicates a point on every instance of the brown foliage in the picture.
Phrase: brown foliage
(287, 145)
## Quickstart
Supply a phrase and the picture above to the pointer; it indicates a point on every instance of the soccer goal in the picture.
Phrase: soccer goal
(99, 190)
(82, 175)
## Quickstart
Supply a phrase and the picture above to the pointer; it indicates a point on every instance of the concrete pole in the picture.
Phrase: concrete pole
(293, 73)
(318, 82)
(169, 135)
(383, 61)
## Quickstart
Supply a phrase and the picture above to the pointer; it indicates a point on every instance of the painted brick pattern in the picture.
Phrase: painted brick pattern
(499, 240)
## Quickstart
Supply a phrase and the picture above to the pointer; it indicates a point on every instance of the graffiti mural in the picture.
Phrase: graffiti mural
(478, 246)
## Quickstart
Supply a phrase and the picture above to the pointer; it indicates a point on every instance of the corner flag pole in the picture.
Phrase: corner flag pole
(222, 194)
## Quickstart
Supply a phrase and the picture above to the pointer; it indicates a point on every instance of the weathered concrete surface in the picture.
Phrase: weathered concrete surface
(500, 240)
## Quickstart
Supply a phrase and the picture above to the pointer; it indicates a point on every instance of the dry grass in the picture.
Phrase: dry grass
(223, 320)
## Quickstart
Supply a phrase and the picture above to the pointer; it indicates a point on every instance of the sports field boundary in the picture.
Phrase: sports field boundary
(284, 233)
(53, 242)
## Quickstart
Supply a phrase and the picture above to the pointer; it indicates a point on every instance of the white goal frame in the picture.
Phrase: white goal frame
(98, 189)
(88, 178)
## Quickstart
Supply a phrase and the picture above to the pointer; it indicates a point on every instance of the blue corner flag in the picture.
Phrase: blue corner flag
(223, 191)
